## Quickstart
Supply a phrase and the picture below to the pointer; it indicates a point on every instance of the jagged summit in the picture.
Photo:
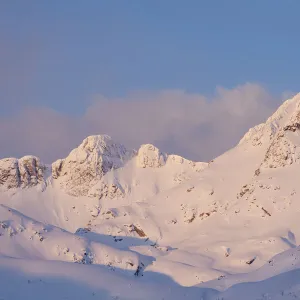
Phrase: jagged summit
(102, 145)
(87, 163)
(284, 116)
(81, 172)
(279, 135)
(97, 155)
(24, 172)
(150, 156)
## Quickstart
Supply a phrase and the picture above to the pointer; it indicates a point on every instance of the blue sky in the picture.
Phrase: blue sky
(74, 49)
(60, 54)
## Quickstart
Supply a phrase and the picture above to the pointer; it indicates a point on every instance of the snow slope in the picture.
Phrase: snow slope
(149, 225)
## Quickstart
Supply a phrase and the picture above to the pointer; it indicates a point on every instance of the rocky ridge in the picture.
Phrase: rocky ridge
(88, 163)
(82, 171)
(97, 155)
(279, 134)
(27, 171)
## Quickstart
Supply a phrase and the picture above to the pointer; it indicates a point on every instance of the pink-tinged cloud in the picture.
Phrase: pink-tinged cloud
(191, 125)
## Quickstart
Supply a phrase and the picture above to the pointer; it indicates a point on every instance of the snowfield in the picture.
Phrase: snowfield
(108, 222)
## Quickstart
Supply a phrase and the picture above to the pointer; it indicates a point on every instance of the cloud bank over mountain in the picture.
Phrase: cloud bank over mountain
(188, 124)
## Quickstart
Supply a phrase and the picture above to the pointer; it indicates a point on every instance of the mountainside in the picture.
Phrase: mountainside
(159, 225)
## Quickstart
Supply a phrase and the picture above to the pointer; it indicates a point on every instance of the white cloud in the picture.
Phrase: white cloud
(188, 124)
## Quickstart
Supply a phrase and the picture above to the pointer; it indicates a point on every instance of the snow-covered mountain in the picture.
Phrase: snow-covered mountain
(151, 225)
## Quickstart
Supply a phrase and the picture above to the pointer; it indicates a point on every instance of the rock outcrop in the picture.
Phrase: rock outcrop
(280, 135)
(150, 157)
(88, 163)
(82, 172)
(281, 152)
(264, 133)
(25, 172)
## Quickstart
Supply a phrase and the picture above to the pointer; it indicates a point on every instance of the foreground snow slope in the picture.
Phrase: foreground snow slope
(25, 279)
(148, 219)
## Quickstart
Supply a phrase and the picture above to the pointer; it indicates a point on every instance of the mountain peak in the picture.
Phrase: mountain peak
(103, 145)
(89, 162)
(279, 135)
(284, 116)
(24, 172)
(150, 156)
